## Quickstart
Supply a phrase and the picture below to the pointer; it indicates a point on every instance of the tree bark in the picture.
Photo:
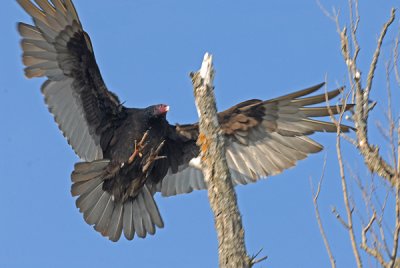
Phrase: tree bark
(222, 196)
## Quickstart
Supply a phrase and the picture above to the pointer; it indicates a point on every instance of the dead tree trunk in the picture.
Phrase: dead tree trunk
(222, 196)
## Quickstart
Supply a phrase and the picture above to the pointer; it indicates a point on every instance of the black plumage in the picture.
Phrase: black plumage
(129, 154)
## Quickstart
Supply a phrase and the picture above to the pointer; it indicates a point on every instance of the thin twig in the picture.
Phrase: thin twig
(372, 68)
(325, 11)
(254, 260)
(371, 251)
(354, 27)
(366, 228)
(317, 215)
(397, 226)
(349, 139)
(345, 192)
(392, 123)
(339, 218)
(396, 58)
(365, 195)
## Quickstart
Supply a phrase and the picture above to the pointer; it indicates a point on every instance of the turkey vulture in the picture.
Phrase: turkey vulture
(129, 154)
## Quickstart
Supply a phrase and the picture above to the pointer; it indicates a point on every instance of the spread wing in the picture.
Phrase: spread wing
(263, 138)
(57, 47)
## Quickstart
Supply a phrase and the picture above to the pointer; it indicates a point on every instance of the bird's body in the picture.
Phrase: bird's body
(120, 146)
(129, 154)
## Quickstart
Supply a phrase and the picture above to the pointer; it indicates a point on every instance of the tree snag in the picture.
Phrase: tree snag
(222, 196)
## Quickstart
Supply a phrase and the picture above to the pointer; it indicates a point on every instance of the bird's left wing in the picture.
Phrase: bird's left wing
(263, 138)
(58, 48)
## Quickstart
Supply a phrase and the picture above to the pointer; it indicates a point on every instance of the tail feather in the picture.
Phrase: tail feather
(115, 225)
(92, 216)
(85, 202)
(83, 187)
(137, 221)
(102, 224)
(146, 219)
(129, 228)
(82, 177)
(89, 168)
(110, 217)
(152, 208)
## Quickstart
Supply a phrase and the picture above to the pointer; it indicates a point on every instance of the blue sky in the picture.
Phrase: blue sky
(145, 50)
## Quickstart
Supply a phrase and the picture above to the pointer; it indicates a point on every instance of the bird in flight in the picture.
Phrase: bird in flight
(129, 154)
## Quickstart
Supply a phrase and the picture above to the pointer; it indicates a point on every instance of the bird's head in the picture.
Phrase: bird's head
(157, 111)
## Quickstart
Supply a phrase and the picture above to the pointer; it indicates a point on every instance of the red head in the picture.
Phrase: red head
(160, 109)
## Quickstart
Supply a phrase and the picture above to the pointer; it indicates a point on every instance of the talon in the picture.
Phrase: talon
(138, 148)
(153, 157)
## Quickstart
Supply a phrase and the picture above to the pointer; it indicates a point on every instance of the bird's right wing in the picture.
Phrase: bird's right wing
(263, 138)
(58, 48)
(184, 174)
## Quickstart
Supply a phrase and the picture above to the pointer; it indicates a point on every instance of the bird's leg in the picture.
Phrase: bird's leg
(137, 183)
(154, 155)
(138, 148)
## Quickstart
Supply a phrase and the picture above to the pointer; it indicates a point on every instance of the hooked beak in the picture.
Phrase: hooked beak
(162, 109)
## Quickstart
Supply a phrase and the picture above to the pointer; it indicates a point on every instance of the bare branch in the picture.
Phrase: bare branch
(349, 211)
(366, 228)
(396, 58)
(317, 215)
(325, 11)
(397, 227)
(371, 72)
(254, 260)
(354, 27)
(378, 248)
(339, 218)
(396, 162)
(349, 139)
(372, 158)
(371, 251)
(392, 124)
(347, 203)
(222, 196)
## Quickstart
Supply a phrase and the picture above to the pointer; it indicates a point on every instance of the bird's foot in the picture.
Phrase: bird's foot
(138, 148)
(154, 156)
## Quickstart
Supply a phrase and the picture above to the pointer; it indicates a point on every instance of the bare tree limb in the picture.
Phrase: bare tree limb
(375, 60)
(339, 218)
(372, 158)
(396, 59)
(371, 153)
(222, 196)
(354, 27)
(371, 251)
(254, 259)
(397, 189)
(317, 215)
(349, 211)
(382, 248)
